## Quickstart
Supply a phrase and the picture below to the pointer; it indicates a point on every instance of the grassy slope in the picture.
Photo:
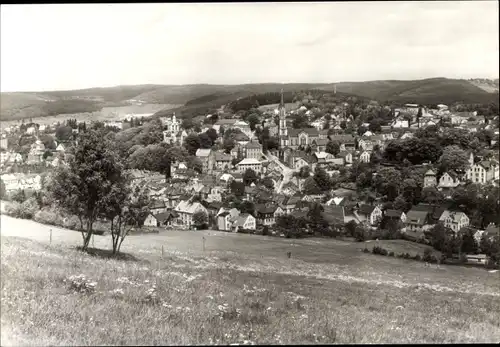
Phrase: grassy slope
(345, 297)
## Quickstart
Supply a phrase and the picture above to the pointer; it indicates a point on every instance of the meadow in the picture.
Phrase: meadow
(170, 289)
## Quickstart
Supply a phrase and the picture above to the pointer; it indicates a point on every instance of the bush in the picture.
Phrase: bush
(29, 208)
(48, 216)
(427, 255)
(265, 231)
(391, 254)
(13, 209)
(406, 256)
(417, 257)
(366, 250)
(379, 250)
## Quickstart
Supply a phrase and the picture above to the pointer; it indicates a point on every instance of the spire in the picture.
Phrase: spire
(282, 104)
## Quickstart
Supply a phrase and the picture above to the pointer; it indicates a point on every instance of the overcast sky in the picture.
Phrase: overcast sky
(55, 47)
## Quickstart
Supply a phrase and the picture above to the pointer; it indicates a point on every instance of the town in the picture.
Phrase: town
(320, 164)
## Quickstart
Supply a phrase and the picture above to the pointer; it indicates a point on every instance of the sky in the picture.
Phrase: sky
(72, 46)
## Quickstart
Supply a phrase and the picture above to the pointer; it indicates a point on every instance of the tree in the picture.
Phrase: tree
(360, 233)
(205, 141)
(48, 141)
(268, 183)
(46, 154)
(304, 172)
(375, 126)
(187, 123)
(332, 147)
(237, 188)
(19, 196)
(250, 177)
(469, 244)
(82, 187)
(350, 228)
(453, 158)
(253, 120)
(212, 134)
(300, 121)
(322, 179)
(291, 226)
(228, 145)
(64, 133)
(200, 219)
(387, 182)
(310, 187)
(192, 143)
(3, 191)
(194, 163)
(125, 208)
(247, 207)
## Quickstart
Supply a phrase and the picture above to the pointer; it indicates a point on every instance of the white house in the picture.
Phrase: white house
(244, 221)
(186, 210)
(454, 220)
(249, 163)
(449, 180)
(365, 157)
(483, 172)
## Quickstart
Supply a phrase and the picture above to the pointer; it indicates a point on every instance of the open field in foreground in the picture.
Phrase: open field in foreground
(242, 288)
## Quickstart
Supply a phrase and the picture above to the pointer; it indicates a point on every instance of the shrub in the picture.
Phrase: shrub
(48, 216)
(80, 284)
(407, 256)
(28, 208)
(433, 259)
(417, 257)
(265, 231)
(391, 254)
(13, 209)
(427, 255)
(366, 250)
(379, 250)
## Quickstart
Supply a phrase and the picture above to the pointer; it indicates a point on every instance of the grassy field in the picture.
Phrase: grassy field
(241, 289)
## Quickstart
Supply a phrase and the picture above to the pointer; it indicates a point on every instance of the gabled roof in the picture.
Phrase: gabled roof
(253, 145)
(161, 217)
(342, 138)
(416, 217)
(366, 209)
(333, 214)
(320, 142)
(309, 131)
(266, 208)
(393, 213)
(249, 161)
(157, 204)
(455, 216)
(430, 173)
(222, 156)
(241, 219)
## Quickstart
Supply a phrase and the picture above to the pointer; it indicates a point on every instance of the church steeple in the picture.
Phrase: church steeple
(282, 122)
(282, 104)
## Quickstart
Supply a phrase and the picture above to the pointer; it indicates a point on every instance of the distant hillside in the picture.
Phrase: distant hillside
(205, 98)
(427, 91)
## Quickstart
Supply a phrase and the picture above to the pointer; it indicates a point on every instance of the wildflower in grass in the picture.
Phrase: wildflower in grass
(167, 305)
(210, 297)
(80, 284)
(117, 292)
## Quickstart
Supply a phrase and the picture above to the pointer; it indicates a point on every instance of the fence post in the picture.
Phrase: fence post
(203, 243)
(50, 236)
(93, 246)
(162, 252)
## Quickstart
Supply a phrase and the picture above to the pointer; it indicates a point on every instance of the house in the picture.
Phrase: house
(319, 145)
(244, 127)
(395, 215)
(157, 206)
(267, 213)
(252, 150)
(244, 221)
(334, 215)
(365, 157)
(171, 124)
(430, 179)
(222, 161)
(323, 157)
(400, 123)
(157, 220)
(454, 220)
(347, 142)
(476, 259)
(290, 188)
(224, 221)
(249, 163)
(372, 214)
(177, 137)
(416, 220)
(483, 172)
(345, 156)
(186, 209)
(300, 137)
(449, 180)
(207, 158)
(289, 204)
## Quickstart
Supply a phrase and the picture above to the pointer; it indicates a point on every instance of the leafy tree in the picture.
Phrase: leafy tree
(253, 120)
(332, 147)
(453, 158)
(350, 228)
(64, 133)
(187, 123)
(82, 187)
(300, 121)
(46, 154)
(3, 190)
(291, 226)
(322, 179)
(212, 134)
(48, 141)
(304, 172)
(469, 243)
(125, 208)
(237, 188)
(250, 177)
(375, 126)
(268, 183)
(192, 143)
(228, 145)
(194, 163)
(311, 187)
(247, 207)
(360, 233)
(19, 196)
(205, 141)
(200, 219)
(440, 238)
(387, 182)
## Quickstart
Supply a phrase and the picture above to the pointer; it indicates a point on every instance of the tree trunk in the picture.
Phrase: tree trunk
(86, 240)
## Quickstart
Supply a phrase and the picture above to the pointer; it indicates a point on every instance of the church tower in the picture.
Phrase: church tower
(283, 131)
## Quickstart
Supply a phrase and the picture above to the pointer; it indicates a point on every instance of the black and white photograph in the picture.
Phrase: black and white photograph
(249, 173)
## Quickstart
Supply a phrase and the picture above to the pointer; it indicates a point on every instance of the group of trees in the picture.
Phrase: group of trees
(95, 184)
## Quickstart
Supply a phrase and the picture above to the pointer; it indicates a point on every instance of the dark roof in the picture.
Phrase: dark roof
(309, 131)
(333, 214)
(416, 217)
(320, 142)
(342, 138)
(223, 214)
(366, 209)
(253, 144)
(164, 216)
(265, 208)
(393, 213)
(157, 204)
